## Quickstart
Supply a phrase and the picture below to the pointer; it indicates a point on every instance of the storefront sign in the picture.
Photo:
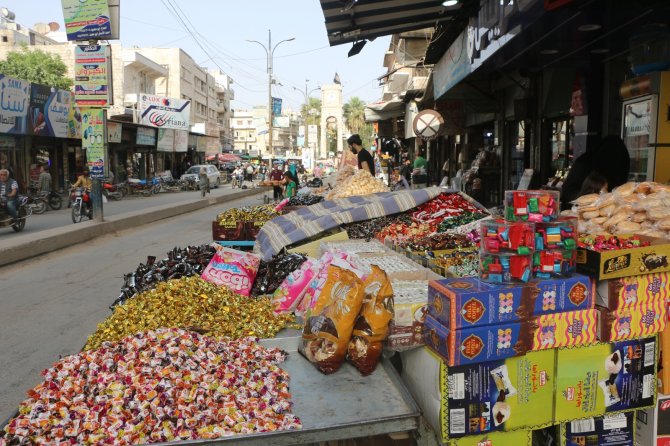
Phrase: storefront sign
(453, 66)
(169, 113)
(73, 120)
(91, 75)
(281, 122)
(165, 140)
(180, 141)
(312, 135)
(145, 136)
(49, 111)
(114, 132)
(39, 95)
(86, 19)
(92, 140)
(14, 104)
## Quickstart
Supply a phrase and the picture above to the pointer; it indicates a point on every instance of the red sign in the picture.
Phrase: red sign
(472, 346)
(577, 294)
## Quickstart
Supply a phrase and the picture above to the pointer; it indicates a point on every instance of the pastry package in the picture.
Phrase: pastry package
(289, 294)
(328, 326)
(233, 269)
(372, 324)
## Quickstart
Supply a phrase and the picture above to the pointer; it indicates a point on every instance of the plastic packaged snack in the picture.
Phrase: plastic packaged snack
(328, 326)
(233, 269)
(289, 294)
(372, 324)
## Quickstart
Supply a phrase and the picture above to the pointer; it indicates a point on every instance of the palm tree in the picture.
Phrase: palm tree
(354, 115)
(312, 111)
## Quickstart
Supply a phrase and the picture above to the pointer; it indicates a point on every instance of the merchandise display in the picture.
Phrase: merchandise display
(535, 206)
(158, 386)
(444, 207)
(501, 236)
(653, 424)
(233, 269)
(437, 242)
(360, 183)
(556, 248)
(368, 229)
(271, 274)
(410, 301)
(632, 291)
(610, 430)
(304, 200)
(664, 360)
(505, 268)
(455, 264)
(632, 322)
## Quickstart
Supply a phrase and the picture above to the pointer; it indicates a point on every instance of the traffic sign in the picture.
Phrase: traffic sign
(428, 124)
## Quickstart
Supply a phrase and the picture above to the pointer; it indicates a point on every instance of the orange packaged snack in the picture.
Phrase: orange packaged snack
(372, 324)
(329, 324)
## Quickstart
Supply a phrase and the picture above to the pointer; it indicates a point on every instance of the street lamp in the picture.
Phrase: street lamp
(269, 51)
(306, 95)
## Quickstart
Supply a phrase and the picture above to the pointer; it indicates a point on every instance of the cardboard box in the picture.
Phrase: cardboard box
(610, 430)
(312, 249)
(653, 425)
(493, 342)
(517, 438)
(232, 231)
(252, 228)
(625, 262)
(469, 302)
(509, 395)
(664, 360)
(632, 291)
(354, 246)
(632, 322)
(608, 377)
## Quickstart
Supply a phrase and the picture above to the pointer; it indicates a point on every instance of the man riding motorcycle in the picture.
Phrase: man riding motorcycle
(86, 183)
(9, 191)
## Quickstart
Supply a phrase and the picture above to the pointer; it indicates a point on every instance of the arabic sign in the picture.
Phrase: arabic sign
(146, 136)
(49, 113)
(93, 141)
(452, 67)
(276, 106)
(14, 102)
(169, 113)
(114, 132)
(91, 75)
(180, 140)
(165, 140)
(73, 120)
(280, 121)
(86, 19)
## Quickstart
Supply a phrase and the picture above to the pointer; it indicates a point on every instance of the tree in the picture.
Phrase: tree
(354, 118)
(312, 111)
(36, 66)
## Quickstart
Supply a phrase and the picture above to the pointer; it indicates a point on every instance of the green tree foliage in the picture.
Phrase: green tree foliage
(36, 66)
(354, 118)
(312, 111)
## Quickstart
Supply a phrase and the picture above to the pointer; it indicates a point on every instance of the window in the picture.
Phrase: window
(240, 122)
(250, 122)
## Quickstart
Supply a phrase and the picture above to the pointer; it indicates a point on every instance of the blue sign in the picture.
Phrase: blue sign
(14, 105)
(276, 106)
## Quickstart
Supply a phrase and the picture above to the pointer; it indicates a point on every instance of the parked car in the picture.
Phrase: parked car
(212, 173)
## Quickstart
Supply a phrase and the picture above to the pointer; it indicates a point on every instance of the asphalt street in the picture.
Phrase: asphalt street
(50, 304)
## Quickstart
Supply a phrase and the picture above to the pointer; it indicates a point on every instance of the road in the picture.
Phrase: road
(49, 305)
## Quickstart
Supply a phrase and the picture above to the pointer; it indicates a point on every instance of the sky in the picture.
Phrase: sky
(221, 28)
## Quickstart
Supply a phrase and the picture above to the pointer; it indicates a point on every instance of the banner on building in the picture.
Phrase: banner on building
(73, 120)
(312, 135)
(276, 106)
(114, 132)
(14, 104)
(180, 141)
(145, 136)
(300, 142)
(49, 113)
(168, 113)
(261, 126)
(165, 141)
(92, 86)
(92, 140)
(87, 19)
(281, 122)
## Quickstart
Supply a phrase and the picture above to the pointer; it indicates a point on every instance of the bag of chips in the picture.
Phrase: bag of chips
(329, 324)
(233, 269)
(372, 324)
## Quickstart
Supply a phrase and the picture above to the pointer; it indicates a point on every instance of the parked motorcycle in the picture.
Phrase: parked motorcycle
(111, 191)
(141, 186)
(54, 200)
(36, 202)
(81, 206)
(23, 211)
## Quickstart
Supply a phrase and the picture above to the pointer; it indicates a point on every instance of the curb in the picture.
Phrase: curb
(32, 245)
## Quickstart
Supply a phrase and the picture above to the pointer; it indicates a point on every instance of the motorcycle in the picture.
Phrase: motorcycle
(112, 191)
(81, 205)
(36, 202)
(54, 200)
(23, 211)
(144, 187)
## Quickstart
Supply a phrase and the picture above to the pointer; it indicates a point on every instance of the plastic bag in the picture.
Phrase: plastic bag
(233, 269)
(289, 294)
(328, 326)
(372, 324)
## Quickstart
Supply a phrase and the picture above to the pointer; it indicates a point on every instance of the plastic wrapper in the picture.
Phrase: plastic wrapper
(372, 324)
(233, 269)
(305, 199)
(328, 326)
(289, 294)
(271, 274)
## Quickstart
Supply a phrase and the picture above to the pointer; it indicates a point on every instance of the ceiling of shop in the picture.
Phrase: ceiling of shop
(357, 20)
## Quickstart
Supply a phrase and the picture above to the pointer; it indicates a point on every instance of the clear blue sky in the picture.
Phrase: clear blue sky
(222, 26)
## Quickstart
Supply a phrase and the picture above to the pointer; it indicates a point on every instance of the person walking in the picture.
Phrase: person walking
(203, 182)
(277, 176)
(292, 184)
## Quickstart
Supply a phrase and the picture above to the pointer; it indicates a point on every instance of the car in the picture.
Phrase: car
(193, 173)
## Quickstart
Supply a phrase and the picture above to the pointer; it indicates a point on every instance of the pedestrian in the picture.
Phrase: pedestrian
(292, 184)
(277, 177)
(406, 171)
(203, 182)
(365, 160)
(420, 161)
(44, 181)
(249, 172)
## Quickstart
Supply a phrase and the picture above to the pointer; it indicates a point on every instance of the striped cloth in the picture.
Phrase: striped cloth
(313, 220)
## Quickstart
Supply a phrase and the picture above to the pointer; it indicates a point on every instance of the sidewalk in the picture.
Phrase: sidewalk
(24, 246)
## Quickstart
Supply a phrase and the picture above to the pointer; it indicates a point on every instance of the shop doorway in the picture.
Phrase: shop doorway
(516, 152)
(560, 144)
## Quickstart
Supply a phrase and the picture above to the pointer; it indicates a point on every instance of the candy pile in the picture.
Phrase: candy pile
(505, 268)
(191, 302)
(459, 220)
(556, 248)
(610, 243)
(531, 205)
(459, 264)
(190, 261)
(158, 386)
(271, 274)
(367, 229)
(360, 183)
(435, 242)
(304, 200)
(443, 206)
(262, 213)
(403, 231)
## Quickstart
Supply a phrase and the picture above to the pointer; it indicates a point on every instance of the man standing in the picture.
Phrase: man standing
(277, 175)
(365, 160)
(44, 179)
(9, 190)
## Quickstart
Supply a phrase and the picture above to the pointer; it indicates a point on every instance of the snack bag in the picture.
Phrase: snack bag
(329, 324)
(289, 294)
(233, 269)
(372, 324)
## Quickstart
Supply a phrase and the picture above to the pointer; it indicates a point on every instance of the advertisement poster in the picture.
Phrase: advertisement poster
(91, 75)
(162, 112)
(165, 140)
(92, 140)
(14, 104)
(145, 136)
(280, 121)
(73, 120)
(180, 140)
(39, 95)
(114, 131)
(301, 136)
(276, 106)
(312, 135)
(86, 19)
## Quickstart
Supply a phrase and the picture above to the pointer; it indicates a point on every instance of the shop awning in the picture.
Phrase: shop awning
(383, 110)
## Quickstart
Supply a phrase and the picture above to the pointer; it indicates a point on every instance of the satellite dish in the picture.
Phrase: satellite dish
(41, 28)
(54, 26)
(6, 13)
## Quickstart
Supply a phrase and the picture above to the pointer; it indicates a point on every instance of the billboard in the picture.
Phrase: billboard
(49, 113)
(114, 132)
(165, 140)
(91, 76)
(281, 121)
(145, 136)
(14, 104)
(276, 106)
(162, 112)
(93, 142)
(86, 19)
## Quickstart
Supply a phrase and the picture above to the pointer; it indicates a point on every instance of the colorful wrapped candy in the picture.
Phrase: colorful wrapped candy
(535, 206)
(556, 248)
(501, 236)
(505, 268)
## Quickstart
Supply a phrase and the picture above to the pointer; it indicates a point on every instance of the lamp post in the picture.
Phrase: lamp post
(269, 51)
(306, 95)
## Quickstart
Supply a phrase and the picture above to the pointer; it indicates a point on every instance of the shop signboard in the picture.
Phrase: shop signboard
(452, 67)
(92, 141)
(162, 112)
(92, 75)
(281, 121)
(165, 140)
(86, 19)
(312, 134)
(301, 136)
(14, 104)
(114, 132)
(146, 136)
(37, 123)
(49, 113)
(180, 141)
(73, 119)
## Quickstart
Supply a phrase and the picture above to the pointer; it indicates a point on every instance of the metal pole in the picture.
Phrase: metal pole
(269, 66)
(96, 193)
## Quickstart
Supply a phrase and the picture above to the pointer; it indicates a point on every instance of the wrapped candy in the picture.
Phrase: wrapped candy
(610, 243)
(442, 207)
(271, 274)
(535, 206)
(505, 268)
